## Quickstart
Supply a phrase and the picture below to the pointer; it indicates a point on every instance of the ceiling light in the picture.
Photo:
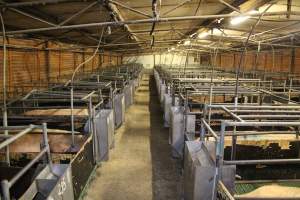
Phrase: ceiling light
(187, 42)
(108, 30)
(173, 48)
(240, 19)
(193, 35)
(220, 20)
(216, 31)
(203, 35)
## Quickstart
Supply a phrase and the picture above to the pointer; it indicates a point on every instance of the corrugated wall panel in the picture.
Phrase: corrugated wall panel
(297, 61)
(265, 61)
(286, 61)
(32, 67)
(55, 63)
(66, 63)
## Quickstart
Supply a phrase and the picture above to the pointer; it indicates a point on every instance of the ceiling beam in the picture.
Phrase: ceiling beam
(36, 3)
(230, 6)
(144, 21)
(118, 18)
(176, 7)
(35, 14)
(78, 13)
(129, 8)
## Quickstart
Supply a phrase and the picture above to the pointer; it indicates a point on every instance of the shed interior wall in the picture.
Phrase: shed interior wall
(34, 63)
(268, 61)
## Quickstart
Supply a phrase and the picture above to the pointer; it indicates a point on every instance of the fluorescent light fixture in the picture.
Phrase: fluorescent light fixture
(203, 35)
(193, 35)
(187, 42)
(108, 30)
(216, 31)
(240, 19)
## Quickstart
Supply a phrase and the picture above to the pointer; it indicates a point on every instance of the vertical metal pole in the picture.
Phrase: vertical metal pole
(72, 115)
(93, 131)
(160, 59)
(172, 59)
(234, 137)
(5, 189)
(185, 111)
(219, 159)
(99, 90)
(46, 145)
(111, 94)
(213, 64)
(202, 132)
(221, 144)
(290, 88)
(210, 101)
(72, 86)
(4, 88)
(173, 93)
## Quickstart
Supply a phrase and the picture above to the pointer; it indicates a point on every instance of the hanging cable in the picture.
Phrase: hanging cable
(256, 61)
(213, 61)
(245, 49)
(155, 15)
(72, 86)
(186, 62)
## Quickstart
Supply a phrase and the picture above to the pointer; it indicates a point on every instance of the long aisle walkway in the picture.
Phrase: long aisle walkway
(140, 165)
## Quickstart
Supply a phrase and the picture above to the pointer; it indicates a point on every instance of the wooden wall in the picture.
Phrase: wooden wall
(279, 61)
(31, 65)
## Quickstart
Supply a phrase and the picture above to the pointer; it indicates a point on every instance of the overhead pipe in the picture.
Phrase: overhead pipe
(31, 16)
(121, 20)
(144, 21)
(176, 7)
(230, 6)
(129, 8)
(50, 23)
(274, 29)
(36, 3)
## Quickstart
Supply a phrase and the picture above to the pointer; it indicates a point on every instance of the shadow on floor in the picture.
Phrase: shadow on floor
(166, 178)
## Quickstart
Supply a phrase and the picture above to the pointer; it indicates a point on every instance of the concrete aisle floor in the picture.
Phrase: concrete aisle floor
(140, 165)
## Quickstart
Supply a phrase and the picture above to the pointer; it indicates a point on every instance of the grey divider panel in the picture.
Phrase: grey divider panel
(162, 93)
(136, 83)
(199, 171)
(156, 76)
(167, 109)
(190, 123)
(128, 95)
(131, 83)
(105, 128)
(158, 83)
(48, 185)
(119, 109)
(176, 133)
